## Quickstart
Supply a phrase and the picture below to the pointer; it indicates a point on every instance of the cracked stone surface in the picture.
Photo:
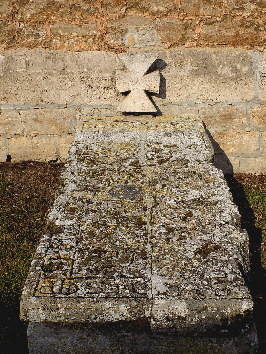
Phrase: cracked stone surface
(144, 227)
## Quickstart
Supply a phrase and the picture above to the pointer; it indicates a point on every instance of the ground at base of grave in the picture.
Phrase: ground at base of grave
(27, 191)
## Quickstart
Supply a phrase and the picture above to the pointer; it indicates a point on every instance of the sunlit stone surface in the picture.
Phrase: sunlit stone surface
(143, 230)
(136, 82)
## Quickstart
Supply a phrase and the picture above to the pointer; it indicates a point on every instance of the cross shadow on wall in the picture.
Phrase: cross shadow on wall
(159, 65)
(256, 279)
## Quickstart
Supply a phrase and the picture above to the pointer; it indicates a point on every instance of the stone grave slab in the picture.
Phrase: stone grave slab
(143, 231)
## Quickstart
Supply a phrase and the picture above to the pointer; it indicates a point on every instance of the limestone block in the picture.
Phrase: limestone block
(245, 7)
(86, 88)
(73, 30)
(191, 75)
(43, 10)
(201, 8)
(175, 32)
(208, 75)
(234, 31)
(258, 115)
(254, 165)
(262, 88)
(63, 145)
(231, 164)
(3, 150)
(262, 71)
(13, 61)
(133, 31)
(144, 229)
(10, 123)
(59, 61)
(4, 6)
(262, 62)
(237, 141)
(47, 121)
(31, 149)
(223, 117)
(154, 8)
(2, 64)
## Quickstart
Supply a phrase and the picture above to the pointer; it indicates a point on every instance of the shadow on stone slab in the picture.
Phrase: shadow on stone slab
(256, 280)
(45, 337)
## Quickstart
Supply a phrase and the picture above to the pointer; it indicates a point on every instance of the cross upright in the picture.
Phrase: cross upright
(137, 82)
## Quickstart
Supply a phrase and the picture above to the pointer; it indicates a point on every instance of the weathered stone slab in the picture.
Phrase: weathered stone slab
(62, 77)
(144, 229)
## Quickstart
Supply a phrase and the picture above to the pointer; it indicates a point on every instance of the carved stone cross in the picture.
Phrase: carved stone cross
(137, 81)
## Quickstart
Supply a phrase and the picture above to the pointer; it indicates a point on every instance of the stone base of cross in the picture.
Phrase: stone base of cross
(137, 82)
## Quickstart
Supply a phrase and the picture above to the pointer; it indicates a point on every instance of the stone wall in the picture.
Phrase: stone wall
(116, 24)
(46, 94)
(58, 61)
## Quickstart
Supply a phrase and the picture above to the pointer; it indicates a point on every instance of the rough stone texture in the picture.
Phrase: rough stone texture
(10, 123)
(63, 144)
(52, 91)
(144, 229)
(262, 88)
(237, 141)
(258, 116)
(250, 165)
(47, 121)
(208, 75)
(58, 88)
(224, 117)
(64, 78)
(232, 31)
(245, 6)
(133, 32)
(105, 25)
(3, 150)
(262, 73)
(203, 7)
(31, 149)
(173, 32)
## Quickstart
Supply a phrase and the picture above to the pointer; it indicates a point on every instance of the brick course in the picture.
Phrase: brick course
(83, 25)
(45, 92)
(32, 149)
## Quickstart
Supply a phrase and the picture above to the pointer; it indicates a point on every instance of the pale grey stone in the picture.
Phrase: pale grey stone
(137, 81)
(191, 75)
(143, 230)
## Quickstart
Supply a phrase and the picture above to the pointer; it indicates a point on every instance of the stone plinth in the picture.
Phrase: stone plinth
(144, 232)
